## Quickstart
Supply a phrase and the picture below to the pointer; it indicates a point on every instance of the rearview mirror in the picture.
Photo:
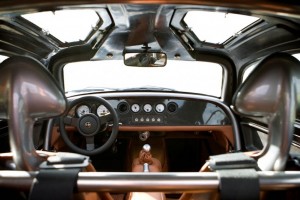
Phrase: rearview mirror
(145, 59)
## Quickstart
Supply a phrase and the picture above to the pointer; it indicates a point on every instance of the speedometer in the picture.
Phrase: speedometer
(102, 110)
(82, 110)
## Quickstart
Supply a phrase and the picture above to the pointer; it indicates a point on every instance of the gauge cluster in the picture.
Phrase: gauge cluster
(148, 107)
(151, 112)
(84, 109)
(101, 110)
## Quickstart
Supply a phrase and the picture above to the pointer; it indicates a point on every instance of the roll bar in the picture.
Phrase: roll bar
(155, 182)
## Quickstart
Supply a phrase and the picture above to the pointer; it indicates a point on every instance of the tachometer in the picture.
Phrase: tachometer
(82, 110)
(102, 110)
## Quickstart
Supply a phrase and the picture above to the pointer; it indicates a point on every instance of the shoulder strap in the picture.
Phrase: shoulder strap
(57, 177)
(237, 175)
(55, 184)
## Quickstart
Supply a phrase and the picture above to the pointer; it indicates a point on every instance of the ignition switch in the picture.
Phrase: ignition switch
(144, 135)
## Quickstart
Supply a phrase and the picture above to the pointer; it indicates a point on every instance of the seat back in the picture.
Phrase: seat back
(271, 93)
(28, 92)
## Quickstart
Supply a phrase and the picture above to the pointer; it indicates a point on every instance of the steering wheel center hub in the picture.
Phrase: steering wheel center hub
(89, 124)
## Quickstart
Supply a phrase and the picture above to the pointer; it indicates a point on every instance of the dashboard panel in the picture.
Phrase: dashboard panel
(158, 111)
(163, 112)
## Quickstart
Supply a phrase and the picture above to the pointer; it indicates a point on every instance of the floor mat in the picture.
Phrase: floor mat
(112, 160)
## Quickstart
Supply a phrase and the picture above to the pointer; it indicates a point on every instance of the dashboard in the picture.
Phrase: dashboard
(173, 113)
(158, 111)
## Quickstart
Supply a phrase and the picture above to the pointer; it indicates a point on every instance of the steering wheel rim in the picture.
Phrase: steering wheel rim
(111, 138)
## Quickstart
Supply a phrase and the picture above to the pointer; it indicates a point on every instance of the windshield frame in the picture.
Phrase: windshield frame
(155, 88)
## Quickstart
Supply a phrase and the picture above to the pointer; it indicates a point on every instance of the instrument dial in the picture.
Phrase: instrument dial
(82, 110)
(135, 107)
(102, 110)
(147, 107)
(159, 108)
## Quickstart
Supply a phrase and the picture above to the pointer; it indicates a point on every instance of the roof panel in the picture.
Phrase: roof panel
(216, 27)
(66, 25)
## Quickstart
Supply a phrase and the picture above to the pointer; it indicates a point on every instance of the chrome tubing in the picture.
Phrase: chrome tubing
(146, 182)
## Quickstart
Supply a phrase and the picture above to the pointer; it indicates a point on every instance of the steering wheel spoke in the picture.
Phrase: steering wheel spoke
(68, 120)
(90, 145)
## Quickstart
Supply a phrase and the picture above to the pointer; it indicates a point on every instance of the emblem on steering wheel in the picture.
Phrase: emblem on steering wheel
(88, 124)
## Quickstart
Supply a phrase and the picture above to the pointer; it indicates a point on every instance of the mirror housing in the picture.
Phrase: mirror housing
(145, 59)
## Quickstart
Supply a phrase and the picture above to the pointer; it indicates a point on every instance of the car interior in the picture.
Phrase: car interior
(149, 100)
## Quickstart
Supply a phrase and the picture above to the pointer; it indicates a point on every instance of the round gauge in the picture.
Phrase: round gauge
(102, 110)
(159, 108)
(82, 110)
(135, 107)
(147, 107)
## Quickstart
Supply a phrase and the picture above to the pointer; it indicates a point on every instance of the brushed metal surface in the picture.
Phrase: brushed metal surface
(271, 93)
(155, 181)
(28, 92)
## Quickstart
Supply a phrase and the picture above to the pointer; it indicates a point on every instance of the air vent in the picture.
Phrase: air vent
(172, 107)
(123, 107)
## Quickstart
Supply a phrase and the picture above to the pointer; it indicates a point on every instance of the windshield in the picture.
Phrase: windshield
(183, 76)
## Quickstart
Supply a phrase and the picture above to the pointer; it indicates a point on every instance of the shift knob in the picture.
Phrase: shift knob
(147, 147)
(146, 157)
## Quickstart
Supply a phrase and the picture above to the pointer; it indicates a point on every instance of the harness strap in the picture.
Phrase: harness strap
(57, 177)
(52, 184)
(238, 184)
(237, 175)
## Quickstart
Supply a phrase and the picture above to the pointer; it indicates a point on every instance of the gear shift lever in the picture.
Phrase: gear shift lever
(145, 156)
(145, 162)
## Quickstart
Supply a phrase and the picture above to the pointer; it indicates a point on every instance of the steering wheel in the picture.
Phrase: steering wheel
(89, 125)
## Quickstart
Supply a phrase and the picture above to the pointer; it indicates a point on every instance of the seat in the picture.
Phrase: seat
(270, 94)
(30, 93)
